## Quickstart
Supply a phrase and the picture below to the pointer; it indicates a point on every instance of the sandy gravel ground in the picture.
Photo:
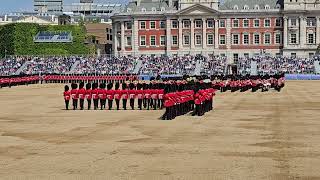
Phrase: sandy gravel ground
(249, 136)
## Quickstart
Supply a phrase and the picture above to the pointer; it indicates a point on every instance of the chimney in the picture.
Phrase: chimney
(170, 3)
(138, 2)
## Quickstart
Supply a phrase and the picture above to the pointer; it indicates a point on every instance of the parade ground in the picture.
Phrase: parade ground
(248, 136)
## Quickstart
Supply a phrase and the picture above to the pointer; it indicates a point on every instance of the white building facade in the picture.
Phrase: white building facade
(234, 29)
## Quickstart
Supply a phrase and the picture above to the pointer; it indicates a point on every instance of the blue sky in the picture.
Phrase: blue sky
(26, 5)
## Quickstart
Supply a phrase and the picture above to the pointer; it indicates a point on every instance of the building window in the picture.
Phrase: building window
(162, 40)
(246, 23)
(235, 23)
(256, 7)
(267, 38)
(198, 23)
(293, 21)
(278, 38)
(222, 39)
(257, 39)
(198, 39)
(128, 40)
(310, 38)
(162, 24)
(245, 7)
(174, 40)
(163, 9)
(186, 24)
(143, 10)
(174, 24)
(256, 23)
(152, 40)
(128, 25)
(153, 9)
(235, 57)
(210, 24)
(311, 22)
(293, 38)
(293, 55)
(235, 7)
(267, 23)
(235, 39)
(266, 7)
(246, 55)
(246, 39)
(210, 39)
(278, 22)
(142, 25)
(142, 40)
(152, 24)
(186, 39)
(222, 23)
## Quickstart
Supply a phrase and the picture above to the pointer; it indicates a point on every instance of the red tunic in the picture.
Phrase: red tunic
(74, 94)
(132, 94)
(88, 94)
(117, 94)
(125, 94)
(66, 95)
(110, 94)
(154, 94)
(147, 93)
(81, 93)
(140, 94)
(95, 94)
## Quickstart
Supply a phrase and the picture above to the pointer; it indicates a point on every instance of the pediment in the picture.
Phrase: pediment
(197, 9)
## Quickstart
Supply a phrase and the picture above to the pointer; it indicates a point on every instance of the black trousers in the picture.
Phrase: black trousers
(117, 103)
(75, 103)
(132, 104)
(124, 103)
(67, 104)
(81, 103)
(89, 103)
(154, 104)
(95, 103)
(110, 102)
(102, 104)
(140, 103)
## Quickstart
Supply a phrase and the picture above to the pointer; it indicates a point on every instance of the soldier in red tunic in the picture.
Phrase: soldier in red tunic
(132, 95)
(102, 96)
(95, 95)
(125, 95)
(88, 95)
(74, 95)
(66, 95)
(110, 95)
(140, 95)
(81, 94)
(117, 95)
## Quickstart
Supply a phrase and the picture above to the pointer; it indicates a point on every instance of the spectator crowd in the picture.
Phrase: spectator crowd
(144, 65)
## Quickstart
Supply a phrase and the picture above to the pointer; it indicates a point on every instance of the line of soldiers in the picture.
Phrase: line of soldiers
(245, 83)
(184, 97)
(102, 95)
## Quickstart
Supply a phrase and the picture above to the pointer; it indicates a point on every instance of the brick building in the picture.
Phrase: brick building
(234, 29)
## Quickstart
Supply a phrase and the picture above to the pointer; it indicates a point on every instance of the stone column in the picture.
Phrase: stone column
(216, 34)
(303, 32)
(115, 39)
(318, 30)
(204, 34)
(192, 33)
(228, 41)
(285, 32)
(135, 37)
(122, 38)
(180, 35)
(168, 37)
